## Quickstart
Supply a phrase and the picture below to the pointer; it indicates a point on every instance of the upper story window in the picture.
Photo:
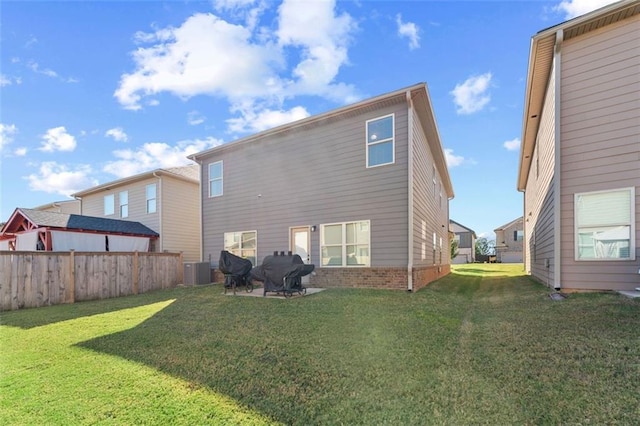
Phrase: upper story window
(109, 204)
(345, 244)
(243, 244)
(215, 179)
(605, 225)
(151, 197)
(518, 235)
(380, 141)
(124, 203)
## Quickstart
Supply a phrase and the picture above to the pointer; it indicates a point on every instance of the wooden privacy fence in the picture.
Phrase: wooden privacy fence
(32, 279)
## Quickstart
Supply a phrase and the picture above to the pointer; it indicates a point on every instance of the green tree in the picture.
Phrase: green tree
(485, 247)
(454, 248)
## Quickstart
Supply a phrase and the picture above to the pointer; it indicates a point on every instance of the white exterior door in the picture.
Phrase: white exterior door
(299, 243)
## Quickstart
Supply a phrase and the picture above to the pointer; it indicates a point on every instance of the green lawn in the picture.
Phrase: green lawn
(484, 345)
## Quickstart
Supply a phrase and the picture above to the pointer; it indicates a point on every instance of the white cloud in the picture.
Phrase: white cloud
(20, 152)
(57, 139)
(48, 72)
(452, 159)
(156, 155)
(410, 31)
(6, 80)
(256, 121)
(6, 134)
(512, 145)
(194, 118)
(55, 178)
(573, 8)
(118, 134)
(472, 95)
(192, 59)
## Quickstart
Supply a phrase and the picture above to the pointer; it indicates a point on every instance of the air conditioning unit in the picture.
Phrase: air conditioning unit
(197, 273)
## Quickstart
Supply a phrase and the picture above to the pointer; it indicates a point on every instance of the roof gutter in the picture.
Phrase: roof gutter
(410, 217)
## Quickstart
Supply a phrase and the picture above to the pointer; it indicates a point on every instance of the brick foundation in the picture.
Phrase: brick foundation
(385, 278)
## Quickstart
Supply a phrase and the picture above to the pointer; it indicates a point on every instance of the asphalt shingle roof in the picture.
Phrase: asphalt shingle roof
(89, 223)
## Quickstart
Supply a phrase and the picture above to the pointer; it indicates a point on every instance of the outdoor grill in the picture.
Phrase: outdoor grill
(282, 274)
(236, 271)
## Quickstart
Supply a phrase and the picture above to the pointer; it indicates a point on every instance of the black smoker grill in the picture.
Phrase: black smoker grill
(282, 274)
(236, 271)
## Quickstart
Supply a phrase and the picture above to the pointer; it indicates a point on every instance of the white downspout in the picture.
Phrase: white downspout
(410, 193)
(557, 216)
(159, 209)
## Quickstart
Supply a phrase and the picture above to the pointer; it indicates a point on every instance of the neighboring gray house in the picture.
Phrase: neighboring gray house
(165, 200)
(466, 239)
(580, 155)
(361, 191)
(509, 242)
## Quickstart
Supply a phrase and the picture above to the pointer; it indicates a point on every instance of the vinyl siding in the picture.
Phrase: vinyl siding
(427, 207)
(93, 205)
(600, 140)
(180, 217)
(539, 193)
(311, 175)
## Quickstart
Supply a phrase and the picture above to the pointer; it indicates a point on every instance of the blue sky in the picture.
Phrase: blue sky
(98, 90)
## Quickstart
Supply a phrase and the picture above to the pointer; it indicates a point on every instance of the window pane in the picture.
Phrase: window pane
(357, 232)
(604, 208)
(358, 255)
(109, 204)
(381, 153)
(332, 234)
(332, 256)
(605, 243)
(124, 211)
(232, 241)
(215, 188)
(381, 129)
(249, 240)
(151, 206)
(151, 191)
(215, 170)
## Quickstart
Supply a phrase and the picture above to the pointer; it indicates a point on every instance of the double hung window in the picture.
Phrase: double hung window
(605, 225)
(215, 179)
(345, 244)
(109, 204)
(150, 192)
(124, 203)
(243, 244)
(380, 141)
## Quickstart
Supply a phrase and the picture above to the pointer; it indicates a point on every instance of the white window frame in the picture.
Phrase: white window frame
(124, 206)
(344, 244)
(110, 205)
(392, 139)
(630, 224)
(241, 250)
(216, 179)
(150, 199)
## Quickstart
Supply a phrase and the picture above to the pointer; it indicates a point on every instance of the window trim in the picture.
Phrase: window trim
(221, 178)
(343, 244)
(392, 139)
(631, 224)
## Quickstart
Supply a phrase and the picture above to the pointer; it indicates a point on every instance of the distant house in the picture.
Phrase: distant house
(580, 156)
(165, 200)
(466, 239)
(361, 191)
(66, 206)
(509, 242)
(31, 230)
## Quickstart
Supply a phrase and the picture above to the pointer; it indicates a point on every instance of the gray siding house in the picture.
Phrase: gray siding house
(509, 242)
(361, 191)
(466, 238)
(580, 155)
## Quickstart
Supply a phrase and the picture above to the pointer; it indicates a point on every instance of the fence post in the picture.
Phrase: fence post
(72, 276)
(180, 269)
(135, 272)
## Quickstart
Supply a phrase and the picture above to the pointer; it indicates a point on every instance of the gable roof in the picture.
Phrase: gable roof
(417, 93)
(507, 225)
(75, 222)
(190, 173)
(540, 63)
(463, 227)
